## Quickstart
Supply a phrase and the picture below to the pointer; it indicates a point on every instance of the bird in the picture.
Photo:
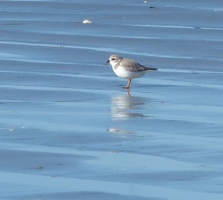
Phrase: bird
(127, 68)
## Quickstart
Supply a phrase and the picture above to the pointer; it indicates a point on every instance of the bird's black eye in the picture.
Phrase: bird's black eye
(113, 59)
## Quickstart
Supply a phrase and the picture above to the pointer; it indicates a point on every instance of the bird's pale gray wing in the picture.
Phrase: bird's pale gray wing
(131, 65)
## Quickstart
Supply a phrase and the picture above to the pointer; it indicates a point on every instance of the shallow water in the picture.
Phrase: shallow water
(69, 130)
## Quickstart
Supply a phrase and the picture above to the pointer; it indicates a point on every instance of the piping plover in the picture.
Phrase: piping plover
(127, 68)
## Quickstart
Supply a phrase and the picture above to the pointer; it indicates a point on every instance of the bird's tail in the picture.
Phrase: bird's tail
(151, 68)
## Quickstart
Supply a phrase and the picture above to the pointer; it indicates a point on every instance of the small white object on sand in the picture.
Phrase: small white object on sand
(87, 21)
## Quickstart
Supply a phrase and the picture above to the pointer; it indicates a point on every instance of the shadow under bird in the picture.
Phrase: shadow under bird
(127, 68)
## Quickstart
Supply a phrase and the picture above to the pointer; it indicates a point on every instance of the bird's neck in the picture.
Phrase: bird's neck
(115, 65)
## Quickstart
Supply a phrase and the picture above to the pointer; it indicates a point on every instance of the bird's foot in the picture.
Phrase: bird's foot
(127, 88)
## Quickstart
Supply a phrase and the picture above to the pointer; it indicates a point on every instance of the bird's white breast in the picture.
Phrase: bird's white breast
(123, 73)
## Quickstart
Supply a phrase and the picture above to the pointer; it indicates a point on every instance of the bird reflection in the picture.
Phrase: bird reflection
(126, 106)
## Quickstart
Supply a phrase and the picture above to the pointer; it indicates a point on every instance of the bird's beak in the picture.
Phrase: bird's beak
(108, 61)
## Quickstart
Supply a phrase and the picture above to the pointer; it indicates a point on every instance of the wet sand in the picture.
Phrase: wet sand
(68, 130)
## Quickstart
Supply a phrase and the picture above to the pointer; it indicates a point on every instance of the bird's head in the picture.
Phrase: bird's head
(114, 59)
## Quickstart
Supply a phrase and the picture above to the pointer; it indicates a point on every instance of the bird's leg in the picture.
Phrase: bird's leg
(128, 85)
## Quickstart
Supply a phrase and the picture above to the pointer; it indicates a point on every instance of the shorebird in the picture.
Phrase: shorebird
(127, 68)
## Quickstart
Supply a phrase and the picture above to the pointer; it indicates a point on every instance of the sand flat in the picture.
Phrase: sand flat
(68, 130)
